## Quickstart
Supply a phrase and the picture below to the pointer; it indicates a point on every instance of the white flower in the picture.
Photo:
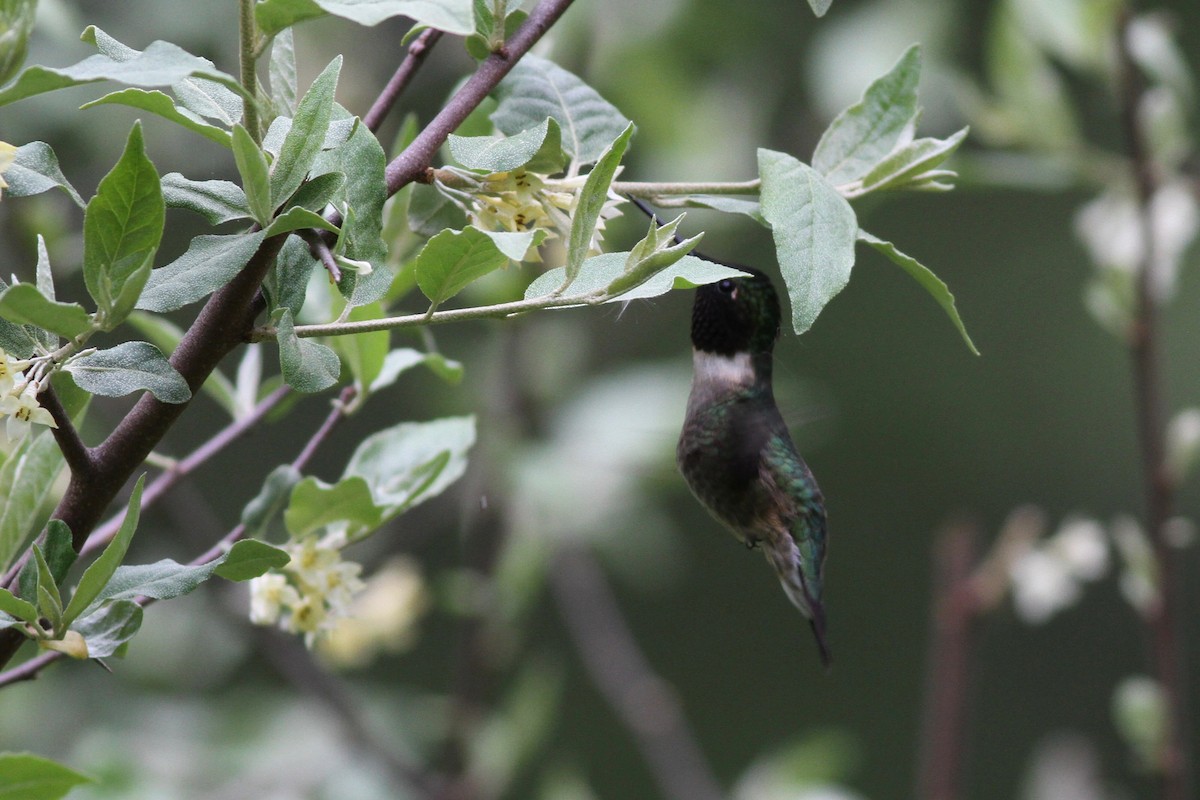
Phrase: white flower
(382, 617)
(10, 372)
(7, 154)
(269, 595)
(1042, 586)
(22, 410)
(1083, 547)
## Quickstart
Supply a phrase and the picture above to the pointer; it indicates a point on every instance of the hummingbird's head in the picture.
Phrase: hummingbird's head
(736, 315)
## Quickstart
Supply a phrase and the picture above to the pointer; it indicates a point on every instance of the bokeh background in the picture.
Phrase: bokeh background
(906, 431)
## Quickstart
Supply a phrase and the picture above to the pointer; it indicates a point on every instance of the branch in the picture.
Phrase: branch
(418, 51)
(1168, 646)
(74, 451)
(643, 700)
(416, 158)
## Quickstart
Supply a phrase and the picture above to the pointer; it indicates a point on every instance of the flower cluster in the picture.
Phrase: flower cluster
(383, 617)
(310, 594)
(523, 201)
(18, 398)
(7, 154)
(1048, 576)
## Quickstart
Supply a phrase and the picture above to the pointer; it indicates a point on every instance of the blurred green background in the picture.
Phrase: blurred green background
(904, 429)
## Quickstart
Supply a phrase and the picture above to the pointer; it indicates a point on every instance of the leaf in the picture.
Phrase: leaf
(298, 218)
(537, 88)
(911, 163)
(129, 367)
(58, 555)
(814, 230)
(599, 272)
(122, 228)
(165, 335)
(307, 366)
(452, 16)
(538, 149)
(728, 204)
(592, 198)
(26, 481)
(282, 73)
(364, 353)
(402, 359)
(287, 283)
(217, 201)
(256, 178)
(16, 24)
(871, 128)
(109, 627)
(28, 777)
(315, 504)
(819, 7)
(14, 606)
(411, 462)
(161, 104)
(25, 305)
(303, 142)
(160, 64)
(451, 260)
(928, 281)
(270, 500)
(100, 571)
(210, 262)
(35, 170)
(317, 192)
(250, 558)
(337, 134)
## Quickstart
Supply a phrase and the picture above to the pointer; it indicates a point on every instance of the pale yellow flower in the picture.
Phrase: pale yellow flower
(23, 410)
(7, 154)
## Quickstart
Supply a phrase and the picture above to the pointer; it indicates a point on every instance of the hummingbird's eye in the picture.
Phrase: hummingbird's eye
(726, 286)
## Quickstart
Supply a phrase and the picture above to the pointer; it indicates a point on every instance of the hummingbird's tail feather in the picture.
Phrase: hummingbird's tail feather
(786, 562)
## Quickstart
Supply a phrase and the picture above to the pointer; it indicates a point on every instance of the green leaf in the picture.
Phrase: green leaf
(912, 163)
(364, 353)
(271, 499)
(411, 462)
(250, 558)
(728, 204)
(538, 149)
(166, 336)
(453, 259)
(256, 179)
(217, 201)
(35, 170)
(871, 128)
(307, 366)
(819, 7)
(28, 777)
(126, 368)
(317, 192)
(100, 571)
(654, 253)
(592, 198)
(814, 230)
(210, 262)
(16, 24)
(282, 73)
(122, 228)
(599, 272)
(160, 64)
(109, 627)
(336, 135)
(157, 102)
(26, 482)
(315, 504)
(14, 606)
(303, 142)
(537, 88)
(58, 555)
(49, 599)
(402, 359)
(928, 281)
(287, 283)
(25, 305)
(298, 218)
(451, 16)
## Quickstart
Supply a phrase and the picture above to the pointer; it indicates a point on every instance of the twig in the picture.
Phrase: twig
(74, 451)
(247, 30)
(321, 252)
(943, 729)
(33, 666)
(418, 51)
(1167, 638)
(643, 701)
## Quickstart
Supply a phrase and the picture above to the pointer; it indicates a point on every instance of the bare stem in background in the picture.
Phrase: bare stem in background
(1169, 652)
(943, 729)
(418, 51)
(644, 702)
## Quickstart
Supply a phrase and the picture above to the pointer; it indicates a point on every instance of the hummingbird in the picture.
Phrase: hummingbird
(735, 452)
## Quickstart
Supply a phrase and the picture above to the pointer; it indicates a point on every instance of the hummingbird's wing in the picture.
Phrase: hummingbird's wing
(796, 538)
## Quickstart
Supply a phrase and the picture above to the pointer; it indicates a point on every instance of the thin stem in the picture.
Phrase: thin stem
(1167, 638)
(643, 701)
(418, 51)
(653, 190)
(248, 35)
